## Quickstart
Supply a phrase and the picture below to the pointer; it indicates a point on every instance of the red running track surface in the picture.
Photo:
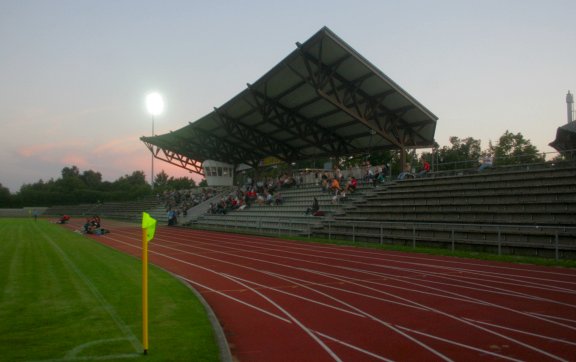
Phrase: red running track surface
(281, 300)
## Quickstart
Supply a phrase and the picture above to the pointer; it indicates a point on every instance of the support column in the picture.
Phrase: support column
(402, 158)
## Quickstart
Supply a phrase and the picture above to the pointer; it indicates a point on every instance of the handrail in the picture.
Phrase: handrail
(450, 225)
(553, 232)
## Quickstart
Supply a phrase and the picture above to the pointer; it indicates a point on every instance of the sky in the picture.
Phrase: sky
(74, 74)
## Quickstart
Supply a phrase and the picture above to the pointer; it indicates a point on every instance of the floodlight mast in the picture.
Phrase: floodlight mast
(155, 106)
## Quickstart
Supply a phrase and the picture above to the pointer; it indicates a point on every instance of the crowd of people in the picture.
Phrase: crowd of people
(267, 191)
(177, 202)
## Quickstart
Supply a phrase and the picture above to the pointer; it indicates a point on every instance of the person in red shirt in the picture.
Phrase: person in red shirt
(425, 168)
(351, 185)
(63, 220)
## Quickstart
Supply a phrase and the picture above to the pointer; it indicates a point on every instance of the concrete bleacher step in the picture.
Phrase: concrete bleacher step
(290, 216)
(542, 204)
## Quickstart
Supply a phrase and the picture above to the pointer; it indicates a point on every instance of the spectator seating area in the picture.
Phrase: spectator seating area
(22, 212)
(157, 206)
(520, 211)
(289, 218)
(131, 211)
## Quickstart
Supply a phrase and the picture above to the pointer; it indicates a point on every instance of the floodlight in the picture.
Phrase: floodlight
(154, 103)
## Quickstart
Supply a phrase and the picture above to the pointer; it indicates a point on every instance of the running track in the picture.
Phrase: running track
(281, 300)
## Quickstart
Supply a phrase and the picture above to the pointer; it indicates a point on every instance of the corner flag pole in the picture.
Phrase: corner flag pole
(148, 230)
(144, 291)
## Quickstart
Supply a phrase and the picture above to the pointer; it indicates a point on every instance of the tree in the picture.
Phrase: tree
(5, 197)
(70, 180)
(462, 153)
(161, 181)
(515, 149)
(181, 183)
(92, 179)
(126, 182)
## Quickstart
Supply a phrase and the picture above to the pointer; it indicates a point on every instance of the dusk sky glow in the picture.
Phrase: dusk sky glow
(75, 74)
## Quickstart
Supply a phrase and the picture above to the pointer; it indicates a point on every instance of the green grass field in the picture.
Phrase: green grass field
(65, 297)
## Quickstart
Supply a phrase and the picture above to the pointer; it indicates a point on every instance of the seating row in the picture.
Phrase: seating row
(520, 202)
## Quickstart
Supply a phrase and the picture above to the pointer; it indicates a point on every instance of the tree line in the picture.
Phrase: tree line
(75, 187)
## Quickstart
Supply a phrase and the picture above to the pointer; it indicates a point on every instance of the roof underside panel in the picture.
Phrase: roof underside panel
(323, 99)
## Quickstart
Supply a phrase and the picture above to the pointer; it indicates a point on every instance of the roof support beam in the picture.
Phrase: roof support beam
(323, 77)
(359, 117)
(256, 139)
(176, 159)
(222, 150)
(304, 129)
(348, 96)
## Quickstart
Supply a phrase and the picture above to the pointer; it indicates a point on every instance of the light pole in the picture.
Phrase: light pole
(155, 106)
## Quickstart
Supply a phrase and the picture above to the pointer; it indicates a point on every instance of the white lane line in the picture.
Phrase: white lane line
(234, 298)
(404, 270)
(288, 246)
(310, 333)
(456, 318)
(281, 265)
(464, 297)
(356, 348)
(553, 317)
(298, 268)
(260, 270)
(370, 316)
(523, 332)
(545, 287)
(459, 344)
(262, 286)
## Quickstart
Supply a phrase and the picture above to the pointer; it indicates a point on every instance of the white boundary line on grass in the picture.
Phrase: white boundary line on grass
(124, 328)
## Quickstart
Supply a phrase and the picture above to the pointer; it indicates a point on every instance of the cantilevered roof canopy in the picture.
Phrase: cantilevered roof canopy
(565, 138)
(323, 100)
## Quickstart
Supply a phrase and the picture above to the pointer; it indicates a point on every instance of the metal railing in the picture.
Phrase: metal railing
(375, 231)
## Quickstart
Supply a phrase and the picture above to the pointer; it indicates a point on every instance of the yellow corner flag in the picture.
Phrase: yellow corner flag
(148, 230)
(148, 224)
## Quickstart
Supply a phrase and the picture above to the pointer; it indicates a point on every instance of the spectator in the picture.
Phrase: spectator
(92, 225)
(351, 185)
(338, 174)
(486, 163)
(335, 185)
(425, 168)
(324, 182)
(314, 208)
(62, 220)
(269, 198)
(172, 218)
(278, 199)
(406, 173)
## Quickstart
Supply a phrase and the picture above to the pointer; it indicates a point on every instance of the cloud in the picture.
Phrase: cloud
(115, 146)
(74, 160)
(49, 151)
(32, 151)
